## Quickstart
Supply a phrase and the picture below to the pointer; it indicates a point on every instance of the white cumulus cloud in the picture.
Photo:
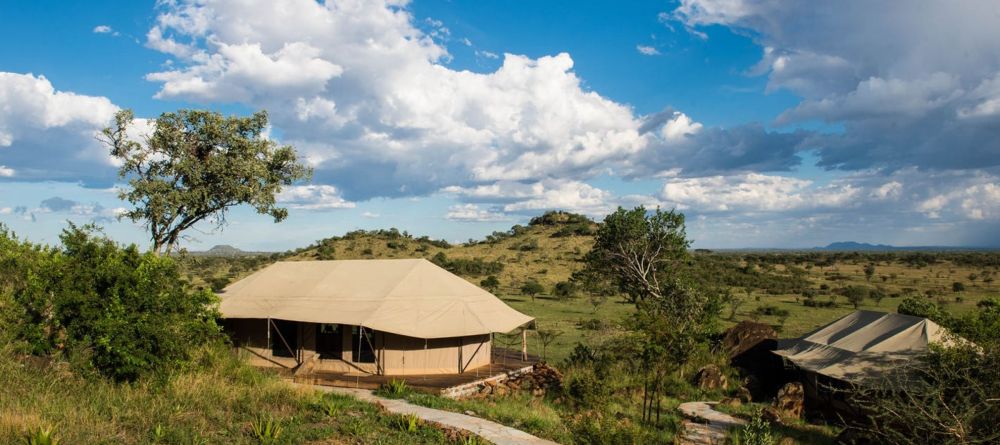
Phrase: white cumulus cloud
(473, 213)
(50, 134)
(313, 197)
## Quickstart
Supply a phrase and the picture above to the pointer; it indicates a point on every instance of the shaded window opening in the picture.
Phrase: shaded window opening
(329, 343)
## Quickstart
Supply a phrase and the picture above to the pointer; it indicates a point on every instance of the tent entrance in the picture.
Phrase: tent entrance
(329, 343)
(284, 338)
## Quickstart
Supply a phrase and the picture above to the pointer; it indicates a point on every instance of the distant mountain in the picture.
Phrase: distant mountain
(852, 246)
(856, 246)
(225, 250)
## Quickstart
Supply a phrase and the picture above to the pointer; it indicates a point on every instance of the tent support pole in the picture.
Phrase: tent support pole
(361, 333)
(524, 345)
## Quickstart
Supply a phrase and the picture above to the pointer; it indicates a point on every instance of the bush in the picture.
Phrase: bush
(491, 283)
(812, 302)
(919, 307)
(127, 313)
(583, 388)
(565, 289)
(772, 310)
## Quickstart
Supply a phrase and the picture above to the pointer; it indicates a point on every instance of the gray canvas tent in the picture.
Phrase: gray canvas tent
(390, 317)
(861, 345)
(856, 348)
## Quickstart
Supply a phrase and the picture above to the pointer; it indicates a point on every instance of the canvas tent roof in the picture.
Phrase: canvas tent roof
(412, 297)
(862, 344)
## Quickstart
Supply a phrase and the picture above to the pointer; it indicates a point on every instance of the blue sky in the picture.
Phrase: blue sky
(769, 124)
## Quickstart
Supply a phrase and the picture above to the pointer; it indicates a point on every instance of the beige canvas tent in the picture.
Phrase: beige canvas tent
(857, 348)
(390, 317)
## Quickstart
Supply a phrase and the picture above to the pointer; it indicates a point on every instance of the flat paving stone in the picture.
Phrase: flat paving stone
(491, 431)
(703, 425)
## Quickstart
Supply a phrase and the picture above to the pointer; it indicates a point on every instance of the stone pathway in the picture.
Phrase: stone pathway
(491, 431)
(703, 425)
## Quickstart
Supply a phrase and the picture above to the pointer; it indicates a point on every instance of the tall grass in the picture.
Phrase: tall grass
(219, 400)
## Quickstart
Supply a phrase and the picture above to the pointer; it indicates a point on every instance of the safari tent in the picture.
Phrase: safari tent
(853, 350)
(383, 317)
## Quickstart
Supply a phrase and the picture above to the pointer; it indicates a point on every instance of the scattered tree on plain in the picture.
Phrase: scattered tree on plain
(642, 253)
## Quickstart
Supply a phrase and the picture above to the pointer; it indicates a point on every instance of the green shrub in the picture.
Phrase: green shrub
(812, 302)
(772, 310)
(565, 289)
(919, 307)
(583, 388)
(491, 283)
(118, 311)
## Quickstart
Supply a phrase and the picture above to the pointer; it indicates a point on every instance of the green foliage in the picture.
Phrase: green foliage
(756, 432)
(634, 250)
(565, 289)
(528, 246)
(490, 283)
(266, 430)
(981, 326)
(532, 288)
(771, 310)
(557, 217)
(394, 389)
(41, 436)
(473, 267)
(869, 271)
(957, 287)
(948, 396)
(126, 313)
(467, 267)
(583, 388)
(409, 423)
(195, 166)
(856, 294)
(920, 307)
(219, 283)
(640, 253)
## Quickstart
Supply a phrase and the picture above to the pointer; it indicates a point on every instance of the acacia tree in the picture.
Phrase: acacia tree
(195, 166)
(642, 253)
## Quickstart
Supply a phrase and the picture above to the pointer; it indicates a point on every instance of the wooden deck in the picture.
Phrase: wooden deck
(503, 363)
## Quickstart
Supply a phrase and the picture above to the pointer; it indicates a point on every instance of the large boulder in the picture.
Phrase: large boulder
(748, 346)
(745, 336)
(790, 401)
(710, 377)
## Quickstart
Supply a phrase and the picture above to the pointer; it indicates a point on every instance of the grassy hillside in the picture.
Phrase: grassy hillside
(770, 287)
